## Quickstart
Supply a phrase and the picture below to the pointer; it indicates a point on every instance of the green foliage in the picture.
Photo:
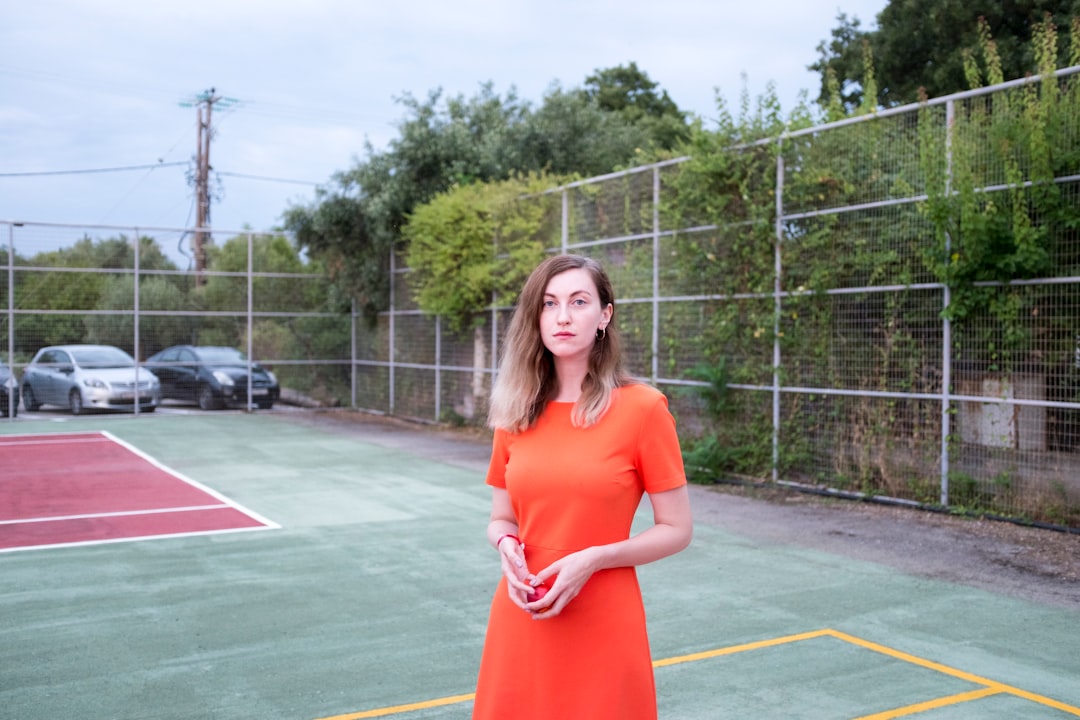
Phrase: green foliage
(714, 393)
(1018, 141)
(729, 184)
(629, 91)
(156, 294)
(570, 134)
(737, 436)
(72, 288)
(923, 46)
(338, 233)
(475, 245)
(620, 119)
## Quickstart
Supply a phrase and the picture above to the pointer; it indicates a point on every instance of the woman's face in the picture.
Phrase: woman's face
(571, 314)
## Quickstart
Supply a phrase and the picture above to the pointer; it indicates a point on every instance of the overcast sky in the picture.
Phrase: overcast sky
(99, 84)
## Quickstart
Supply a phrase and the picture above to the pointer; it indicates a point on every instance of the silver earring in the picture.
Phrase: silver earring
(601, 333)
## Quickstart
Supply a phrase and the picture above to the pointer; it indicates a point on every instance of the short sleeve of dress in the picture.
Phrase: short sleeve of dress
(659, 457)
(500, 455)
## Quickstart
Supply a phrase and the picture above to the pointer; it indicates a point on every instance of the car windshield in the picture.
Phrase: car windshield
(221, 355)
(102, 358)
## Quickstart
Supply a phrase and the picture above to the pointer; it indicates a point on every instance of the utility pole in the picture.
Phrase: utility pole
(202, 182)
(204, 105)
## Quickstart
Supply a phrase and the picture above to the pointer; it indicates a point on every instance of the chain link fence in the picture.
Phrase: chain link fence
(135, 289)
(885, 306)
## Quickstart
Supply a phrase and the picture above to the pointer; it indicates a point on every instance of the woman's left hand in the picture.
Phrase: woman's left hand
(571, 573)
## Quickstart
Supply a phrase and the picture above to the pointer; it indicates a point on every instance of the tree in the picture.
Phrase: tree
(445, 142)
(569, 134)
(922, 43)
(629, 91)
(156, 332)
(355, 222)
(476, 244)
(77, 285)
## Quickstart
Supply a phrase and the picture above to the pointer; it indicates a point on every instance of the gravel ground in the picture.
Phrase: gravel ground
(1033, 564)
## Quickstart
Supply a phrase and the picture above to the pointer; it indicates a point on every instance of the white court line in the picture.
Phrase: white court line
(58, 440)
(133, 538)
(126, 513)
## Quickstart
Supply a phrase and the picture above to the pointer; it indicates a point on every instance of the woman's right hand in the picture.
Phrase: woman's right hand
(512, 556)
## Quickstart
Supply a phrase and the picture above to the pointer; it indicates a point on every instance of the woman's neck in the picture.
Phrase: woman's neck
(571, 375)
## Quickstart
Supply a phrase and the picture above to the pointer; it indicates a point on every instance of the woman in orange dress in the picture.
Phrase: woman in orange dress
(577, 443)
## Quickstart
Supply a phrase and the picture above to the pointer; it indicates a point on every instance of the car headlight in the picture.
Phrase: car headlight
(10, 383)
(223, 378)
(273, 378)
(94, 382)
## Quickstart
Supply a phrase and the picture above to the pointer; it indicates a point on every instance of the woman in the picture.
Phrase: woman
(577, 443)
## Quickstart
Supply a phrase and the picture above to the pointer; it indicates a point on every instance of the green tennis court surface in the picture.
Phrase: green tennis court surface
(371, 601)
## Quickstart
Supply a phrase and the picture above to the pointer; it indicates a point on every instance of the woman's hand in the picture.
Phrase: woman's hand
(572, 571)
(516, 570)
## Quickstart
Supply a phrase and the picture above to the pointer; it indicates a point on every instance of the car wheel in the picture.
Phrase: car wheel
(265, 404)
(29, 401)
(207, 401)
(76, 403)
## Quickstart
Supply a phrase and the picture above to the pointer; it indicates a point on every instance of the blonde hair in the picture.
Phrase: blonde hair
(526, 380)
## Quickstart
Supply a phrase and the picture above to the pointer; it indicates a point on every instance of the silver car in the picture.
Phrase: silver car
(84, 377)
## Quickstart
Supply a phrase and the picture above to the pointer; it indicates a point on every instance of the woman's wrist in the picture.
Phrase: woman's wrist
(515, 538)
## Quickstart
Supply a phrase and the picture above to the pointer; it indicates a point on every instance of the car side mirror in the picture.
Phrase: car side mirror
(67, 369)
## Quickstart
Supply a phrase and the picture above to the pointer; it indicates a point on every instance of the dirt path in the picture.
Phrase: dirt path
(1030, 563)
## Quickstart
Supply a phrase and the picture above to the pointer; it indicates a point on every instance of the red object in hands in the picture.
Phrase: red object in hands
(537, 593)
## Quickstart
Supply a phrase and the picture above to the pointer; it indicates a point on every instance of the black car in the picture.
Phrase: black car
(9, 392)
(214, 377)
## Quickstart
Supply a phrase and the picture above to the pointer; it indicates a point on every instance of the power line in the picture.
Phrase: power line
(125, 168)
(267, 179)
(129, 168)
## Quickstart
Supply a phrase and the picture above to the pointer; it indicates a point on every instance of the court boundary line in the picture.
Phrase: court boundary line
(989, 687)
(224, 501)
(120, 513)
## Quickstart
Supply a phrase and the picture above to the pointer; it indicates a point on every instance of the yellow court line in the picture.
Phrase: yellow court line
(383, 712)
(990, 687)
(929, 664)
(933, 704)
(740, 648)
(1000, 687)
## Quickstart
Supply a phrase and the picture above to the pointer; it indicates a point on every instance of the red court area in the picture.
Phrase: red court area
(91, 487)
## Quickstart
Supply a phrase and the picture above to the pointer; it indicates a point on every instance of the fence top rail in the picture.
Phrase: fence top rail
(143, 271)
(141, 228)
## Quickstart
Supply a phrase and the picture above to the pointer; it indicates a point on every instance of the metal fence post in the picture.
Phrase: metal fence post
(656, 275)
(777, 270)
(438, 368)
(946, 324)
(11, 311)
(565, 229)
(352, 353)
(136, 348)
(391, 338)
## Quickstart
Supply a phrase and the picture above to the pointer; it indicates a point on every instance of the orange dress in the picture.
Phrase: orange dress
(573, 488)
